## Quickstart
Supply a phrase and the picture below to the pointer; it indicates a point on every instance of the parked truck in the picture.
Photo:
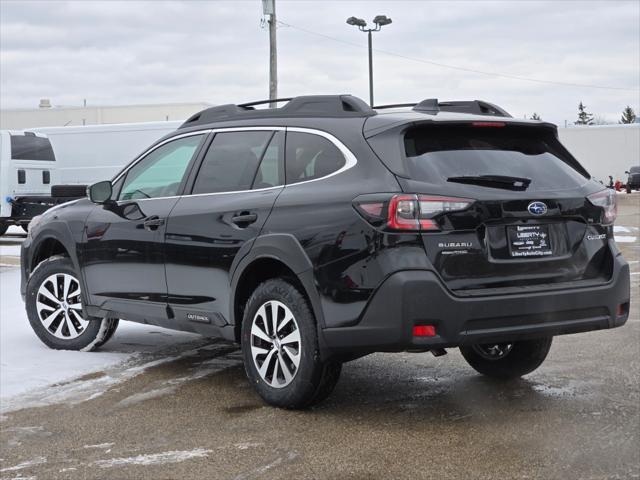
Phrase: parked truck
(47, 166)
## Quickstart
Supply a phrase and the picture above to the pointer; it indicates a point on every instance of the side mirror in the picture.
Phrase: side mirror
(100, 192)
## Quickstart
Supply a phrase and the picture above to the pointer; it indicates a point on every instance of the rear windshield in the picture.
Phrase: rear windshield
(31, 147)
(438, 153)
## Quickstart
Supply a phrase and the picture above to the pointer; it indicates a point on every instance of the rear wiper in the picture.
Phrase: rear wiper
(493, 181)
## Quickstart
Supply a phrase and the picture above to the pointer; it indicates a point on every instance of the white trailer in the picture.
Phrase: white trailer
(604, 149)
(27, 170)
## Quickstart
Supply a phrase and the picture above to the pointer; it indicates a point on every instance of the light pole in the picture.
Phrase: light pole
(379, 21)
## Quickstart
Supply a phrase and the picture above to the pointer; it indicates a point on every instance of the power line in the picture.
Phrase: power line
(455, 67)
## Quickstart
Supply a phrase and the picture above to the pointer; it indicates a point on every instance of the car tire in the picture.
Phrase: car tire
(628, 189)
(3, 229)
(307, 379)
(55, 312)
(507, 360)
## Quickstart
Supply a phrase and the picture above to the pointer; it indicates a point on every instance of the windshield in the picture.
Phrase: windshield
(439, 153)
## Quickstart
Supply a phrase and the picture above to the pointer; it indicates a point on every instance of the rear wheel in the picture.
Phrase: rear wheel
(280, 348)
(507, 360)
(54, 309)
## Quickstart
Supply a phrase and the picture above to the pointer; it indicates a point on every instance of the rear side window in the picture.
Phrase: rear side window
(231, 162)
(311, 156)
(438, 153)
(31, 147)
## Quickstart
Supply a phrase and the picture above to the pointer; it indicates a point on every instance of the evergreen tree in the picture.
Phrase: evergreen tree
(584, 118)
(535, 116)
(628, 115)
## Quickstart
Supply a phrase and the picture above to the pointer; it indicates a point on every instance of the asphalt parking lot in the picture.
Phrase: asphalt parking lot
(186, 411)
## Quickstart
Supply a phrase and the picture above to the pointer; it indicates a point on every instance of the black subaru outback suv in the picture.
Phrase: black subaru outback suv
(325, 230)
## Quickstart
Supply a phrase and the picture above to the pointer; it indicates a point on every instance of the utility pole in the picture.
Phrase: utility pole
(269, 9)
(370, 71)
(380, 21)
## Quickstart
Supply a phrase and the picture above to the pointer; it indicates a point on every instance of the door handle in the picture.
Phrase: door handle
(244, 219)
(153, 222)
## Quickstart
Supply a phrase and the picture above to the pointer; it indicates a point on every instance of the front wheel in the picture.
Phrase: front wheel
(54, 309)
(507, 360)
(280, 348)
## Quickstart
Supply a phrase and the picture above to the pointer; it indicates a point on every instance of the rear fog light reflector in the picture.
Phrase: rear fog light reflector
(424, 331)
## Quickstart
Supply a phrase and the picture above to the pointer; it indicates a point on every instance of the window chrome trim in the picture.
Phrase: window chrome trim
(141, 157)
(350, 159)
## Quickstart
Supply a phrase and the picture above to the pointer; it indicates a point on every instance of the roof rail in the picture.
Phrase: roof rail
(264, 102)
(303, 106)
(431, 105)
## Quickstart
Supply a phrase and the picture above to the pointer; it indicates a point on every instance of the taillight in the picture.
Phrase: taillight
(410, 212)
(608, 201)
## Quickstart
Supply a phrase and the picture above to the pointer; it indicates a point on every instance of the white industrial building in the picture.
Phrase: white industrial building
(61, 116)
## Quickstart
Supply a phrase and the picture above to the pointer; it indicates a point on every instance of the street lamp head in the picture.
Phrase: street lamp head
(358, 22)
(382, 20)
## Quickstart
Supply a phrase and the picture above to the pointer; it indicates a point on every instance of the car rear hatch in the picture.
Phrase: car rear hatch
(506, 205)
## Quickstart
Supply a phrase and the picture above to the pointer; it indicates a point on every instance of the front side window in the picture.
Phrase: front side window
(231, 162)
(311, 156)
(161, 172)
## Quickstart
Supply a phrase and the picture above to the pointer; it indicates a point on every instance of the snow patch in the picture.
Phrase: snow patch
(625, 239)
(15, 435)
(247, 445)
(143, 396)
(28, 365)
(29, 463)
(259, 471)
(174, 456)
(102, 446)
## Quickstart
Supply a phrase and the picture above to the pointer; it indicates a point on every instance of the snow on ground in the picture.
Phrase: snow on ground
(27, 364)
(11, 240)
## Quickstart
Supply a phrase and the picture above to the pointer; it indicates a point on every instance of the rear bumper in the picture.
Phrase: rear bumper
(418, 297)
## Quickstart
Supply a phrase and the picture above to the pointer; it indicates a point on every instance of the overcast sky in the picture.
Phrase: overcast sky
(134, 52)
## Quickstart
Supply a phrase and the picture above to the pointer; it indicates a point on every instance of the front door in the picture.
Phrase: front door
(123, 249)
(233, 191)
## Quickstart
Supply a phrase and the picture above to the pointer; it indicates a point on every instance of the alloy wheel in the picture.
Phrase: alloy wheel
(59, 307)
(276, 345)
(493, 351)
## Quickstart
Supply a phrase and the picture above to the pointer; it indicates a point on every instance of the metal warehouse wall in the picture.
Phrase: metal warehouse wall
(19, 119)
(604, 149)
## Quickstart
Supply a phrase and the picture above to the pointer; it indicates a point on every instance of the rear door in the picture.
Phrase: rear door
(231, 195)
(530, 223)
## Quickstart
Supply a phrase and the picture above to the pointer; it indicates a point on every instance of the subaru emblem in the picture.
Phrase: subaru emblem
(537, 208)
